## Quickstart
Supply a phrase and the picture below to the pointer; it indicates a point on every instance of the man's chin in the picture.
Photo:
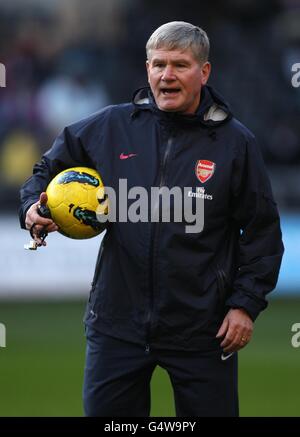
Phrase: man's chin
(168, 104)
(169, 108)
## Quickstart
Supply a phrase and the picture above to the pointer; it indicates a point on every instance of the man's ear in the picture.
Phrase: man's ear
(205, 69)
(147, 68)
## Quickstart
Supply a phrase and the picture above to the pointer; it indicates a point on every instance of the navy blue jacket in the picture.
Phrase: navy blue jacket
(154, 283)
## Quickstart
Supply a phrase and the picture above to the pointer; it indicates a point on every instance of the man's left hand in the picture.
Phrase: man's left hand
(237, 328)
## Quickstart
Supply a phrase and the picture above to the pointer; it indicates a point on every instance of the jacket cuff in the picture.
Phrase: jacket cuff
(252, 304)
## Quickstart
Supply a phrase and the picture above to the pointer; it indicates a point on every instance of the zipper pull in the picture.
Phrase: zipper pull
(147, 349)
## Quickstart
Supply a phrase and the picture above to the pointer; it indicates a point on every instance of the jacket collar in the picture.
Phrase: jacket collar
(212, 111)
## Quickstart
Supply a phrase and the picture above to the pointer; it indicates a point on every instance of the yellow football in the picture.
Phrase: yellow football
(75, 197)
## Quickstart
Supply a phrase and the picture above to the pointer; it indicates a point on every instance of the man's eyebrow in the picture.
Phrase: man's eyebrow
(179, 60)
(157, 60)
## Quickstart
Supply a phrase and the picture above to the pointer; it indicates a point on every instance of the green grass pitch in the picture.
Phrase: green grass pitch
(41, 369)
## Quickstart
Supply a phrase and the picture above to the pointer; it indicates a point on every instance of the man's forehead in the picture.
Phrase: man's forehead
(165, 53)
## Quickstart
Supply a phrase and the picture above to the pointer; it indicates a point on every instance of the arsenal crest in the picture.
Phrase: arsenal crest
(204, 170)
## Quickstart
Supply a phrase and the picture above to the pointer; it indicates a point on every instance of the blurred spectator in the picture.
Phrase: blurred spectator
(64, 100)
(19, 152)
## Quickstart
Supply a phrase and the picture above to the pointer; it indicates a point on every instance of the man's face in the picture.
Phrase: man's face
(176, 79)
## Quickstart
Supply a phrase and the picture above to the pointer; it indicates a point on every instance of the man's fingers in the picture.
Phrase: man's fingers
(36, 218)
(223, 328)
(231, 345)
(38, 228)
(52, 228)
(36, 233)
(235, 346)
(229, 339)
(238, 332)
(235, 342)
(33, 216)
(37, 225)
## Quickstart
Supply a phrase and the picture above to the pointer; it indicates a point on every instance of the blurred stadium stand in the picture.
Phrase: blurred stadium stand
(64, 62)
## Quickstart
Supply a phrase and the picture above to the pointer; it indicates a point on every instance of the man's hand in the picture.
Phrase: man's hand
(237, 328)
(33, 217)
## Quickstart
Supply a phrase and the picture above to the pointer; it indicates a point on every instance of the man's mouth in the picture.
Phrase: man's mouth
(169, 91)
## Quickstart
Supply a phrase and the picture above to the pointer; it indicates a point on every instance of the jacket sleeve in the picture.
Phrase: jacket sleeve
(67, 151)
(260, 247)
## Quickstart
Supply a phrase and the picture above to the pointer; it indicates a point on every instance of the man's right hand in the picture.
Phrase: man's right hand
(33, 217)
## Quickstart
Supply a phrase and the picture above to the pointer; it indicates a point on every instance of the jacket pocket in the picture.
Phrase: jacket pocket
(96, 274)
(222, 285)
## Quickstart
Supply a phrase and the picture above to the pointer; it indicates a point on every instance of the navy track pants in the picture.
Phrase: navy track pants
(118, 373)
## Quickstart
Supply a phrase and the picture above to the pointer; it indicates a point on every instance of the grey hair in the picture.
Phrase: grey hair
(180, 35)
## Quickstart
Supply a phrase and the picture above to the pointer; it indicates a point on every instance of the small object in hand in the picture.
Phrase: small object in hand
(44, 211)
(42, 234)
(32, 245)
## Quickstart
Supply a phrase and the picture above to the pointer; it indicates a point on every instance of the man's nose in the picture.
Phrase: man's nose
(168, 73)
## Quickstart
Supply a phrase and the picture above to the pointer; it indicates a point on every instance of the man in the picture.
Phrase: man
(161, 296)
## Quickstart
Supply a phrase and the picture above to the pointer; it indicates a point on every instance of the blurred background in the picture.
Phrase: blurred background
(65, 59)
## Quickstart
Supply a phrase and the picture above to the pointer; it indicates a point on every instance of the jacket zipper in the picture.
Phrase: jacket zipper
(155, 233)
(165, 160)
